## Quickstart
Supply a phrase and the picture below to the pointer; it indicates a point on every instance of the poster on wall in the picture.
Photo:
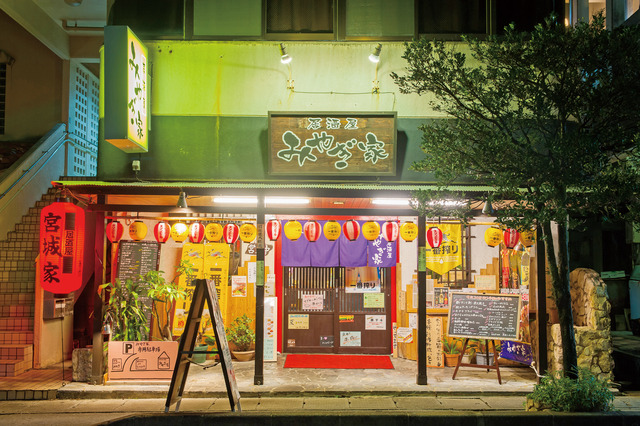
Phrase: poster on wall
(270, 286)
(350, 338)
(270, 328)
(441, 297)
(194, 254)
(298, 321)
(486, 282)
(373, 300)
(449, 255)
(238, 286)
(141, 360)
(362, 279)
(312, 302)
(404, 335)
(216, 268)
(375, 322)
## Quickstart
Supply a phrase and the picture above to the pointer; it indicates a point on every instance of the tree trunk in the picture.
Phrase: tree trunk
(559, 268)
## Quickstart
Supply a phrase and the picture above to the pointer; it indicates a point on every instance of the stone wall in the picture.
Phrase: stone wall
(592, 325)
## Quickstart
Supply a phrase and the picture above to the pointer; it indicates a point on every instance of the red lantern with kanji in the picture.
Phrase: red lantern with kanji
(312, 230)
(161, 232)
(274, 228)
(511, 237)
(61, 247)
(351, 229)
(434, 236)
(114, 231)
(390, 230)
(230, 233)
(196, 232)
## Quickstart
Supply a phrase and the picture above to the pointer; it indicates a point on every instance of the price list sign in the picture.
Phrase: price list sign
(484, 316)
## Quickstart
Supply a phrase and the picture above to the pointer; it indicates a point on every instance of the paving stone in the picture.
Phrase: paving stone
(195, 404)
(417, 403)
(153, 405)
(99, 405)
(463, 404)
(372, 403)
(326, 403)
(504, 402)
(222, 404)
(279, 404)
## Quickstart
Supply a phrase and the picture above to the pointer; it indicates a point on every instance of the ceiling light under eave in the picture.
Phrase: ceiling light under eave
(254, 200)
(390, 201)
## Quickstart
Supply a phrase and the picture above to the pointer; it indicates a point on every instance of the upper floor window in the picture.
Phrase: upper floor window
(452, 17)
(299, 17)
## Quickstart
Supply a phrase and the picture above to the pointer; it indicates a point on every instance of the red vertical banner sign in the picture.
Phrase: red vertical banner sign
(61, 247)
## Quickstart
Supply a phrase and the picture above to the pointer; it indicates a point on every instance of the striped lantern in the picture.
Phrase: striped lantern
(409, 231)
(370, 230)
(351, 229)
(312, 230)
(292, 230)
(196, 232)
(230, 232)
(179, 232)
(213, 232)
(161, 232)
(114, 231)
(274, 229)
(493, 236)
(331, 230)
(511, 237)
(390, 230)
(434, 236)
(248, 232)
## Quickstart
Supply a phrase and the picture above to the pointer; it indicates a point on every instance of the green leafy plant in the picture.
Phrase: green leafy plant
(125, 311)
(450, 346)
(586, 393)
(240, 333)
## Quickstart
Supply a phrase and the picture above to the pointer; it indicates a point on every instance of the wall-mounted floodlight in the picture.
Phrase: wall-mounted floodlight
(375, 58)
(285, 58)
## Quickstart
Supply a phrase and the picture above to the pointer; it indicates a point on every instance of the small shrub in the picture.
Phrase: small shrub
(584, 394)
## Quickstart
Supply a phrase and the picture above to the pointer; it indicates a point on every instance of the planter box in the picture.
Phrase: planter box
(481, 359)
(142, 360)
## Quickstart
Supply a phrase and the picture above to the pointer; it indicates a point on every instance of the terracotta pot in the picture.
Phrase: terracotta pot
(451, 360)
(243, 355)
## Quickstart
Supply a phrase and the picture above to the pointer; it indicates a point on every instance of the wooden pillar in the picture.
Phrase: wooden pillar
(541, 314)
(258, 377)
(421, 379)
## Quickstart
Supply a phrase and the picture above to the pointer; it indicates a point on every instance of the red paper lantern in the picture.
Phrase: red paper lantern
(230, 232)
(312, 230)
(274, 228)
(161, 231)
(351, 229)
(434, 236)
(511, 237)
(114, 231)
(196, 232)
(390, 230)
(62, 247)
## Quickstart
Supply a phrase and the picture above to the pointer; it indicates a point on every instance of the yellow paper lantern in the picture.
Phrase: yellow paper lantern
(293, 230)
(370, 230)
(179, 232)
(332, 230)
(213, 232)
(137, 230)
(248, 232)
(528, 237)
(409, 231)
(493, 236)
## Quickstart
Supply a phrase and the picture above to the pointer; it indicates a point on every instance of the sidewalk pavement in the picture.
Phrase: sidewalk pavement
(315, 410)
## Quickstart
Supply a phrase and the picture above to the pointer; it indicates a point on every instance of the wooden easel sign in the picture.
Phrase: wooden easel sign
(488, 317)
(205, 290)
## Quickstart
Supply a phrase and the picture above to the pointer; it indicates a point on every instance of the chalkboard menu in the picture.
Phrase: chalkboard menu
(484, 316)
(137, 258)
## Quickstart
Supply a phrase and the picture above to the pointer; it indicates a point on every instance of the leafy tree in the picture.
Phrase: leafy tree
(548, 119)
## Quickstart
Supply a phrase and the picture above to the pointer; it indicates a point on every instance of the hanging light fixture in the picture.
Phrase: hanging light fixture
(182, 200)
(487, 209)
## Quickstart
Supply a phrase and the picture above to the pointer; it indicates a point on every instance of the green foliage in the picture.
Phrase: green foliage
(241, 334)
(547, 121)
(450, 346)
(125, 311)
(584, 394)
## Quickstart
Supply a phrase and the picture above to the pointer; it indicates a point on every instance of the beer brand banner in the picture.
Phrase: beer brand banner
(449, 255)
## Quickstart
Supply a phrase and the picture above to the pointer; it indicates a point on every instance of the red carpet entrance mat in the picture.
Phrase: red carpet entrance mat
(337, 361)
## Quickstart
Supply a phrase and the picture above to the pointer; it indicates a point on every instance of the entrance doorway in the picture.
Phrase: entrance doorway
(337, 310)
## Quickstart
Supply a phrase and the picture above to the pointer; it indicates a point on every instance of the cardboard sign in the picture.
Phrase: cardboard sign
(142, 360)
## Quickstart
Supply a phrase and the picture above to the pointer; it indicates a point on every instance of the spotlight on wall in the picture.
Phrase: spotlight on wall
(286, 59)
(73, 3)
(375, 54)
(487, 209)
(182, 200)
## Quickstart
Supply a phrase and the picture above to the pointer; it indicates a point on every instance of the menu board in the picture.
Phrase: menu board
(484, 316)
(137, 258)
(434, 342)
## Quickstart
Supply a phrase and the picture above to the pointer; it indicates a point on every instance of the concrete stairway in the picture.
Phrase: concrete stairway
(17, 283)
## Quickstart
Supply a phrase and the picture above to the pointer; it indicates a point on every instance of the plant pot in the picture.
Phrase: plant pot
(481, 358)
(199, 358)
(243, 355)
(467, 359)
(451, 360)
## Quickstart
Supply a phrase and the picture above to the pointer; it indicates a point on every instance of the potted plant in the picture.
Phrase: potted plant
(125, 311)
(242, 336)
(451, 351)
(480, 348)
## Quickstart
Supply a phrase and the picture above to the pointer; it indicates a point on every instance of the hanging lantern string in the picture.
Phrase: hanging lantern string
(182, 218)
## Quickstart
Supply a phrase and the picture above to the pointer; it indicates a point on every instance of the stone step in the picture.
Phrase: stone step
(17, 311)
(22, 236)
(16, 265)
(18, 276)
(29, 255)
(19, 352)
(28, 228)
(16, 324)
(16, 337)
(30, 219)
(24, 299)
(30, 246)
(17, 287)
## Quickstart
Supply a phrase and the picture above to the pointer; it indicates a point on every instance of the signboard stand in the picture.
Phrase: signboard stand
(495, 365)
(205, 290)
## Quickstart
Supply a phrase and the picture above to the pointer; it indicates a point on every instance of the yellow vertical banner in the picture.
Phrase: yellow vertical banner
(194, 254)
(216, 268)
(449, 255)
